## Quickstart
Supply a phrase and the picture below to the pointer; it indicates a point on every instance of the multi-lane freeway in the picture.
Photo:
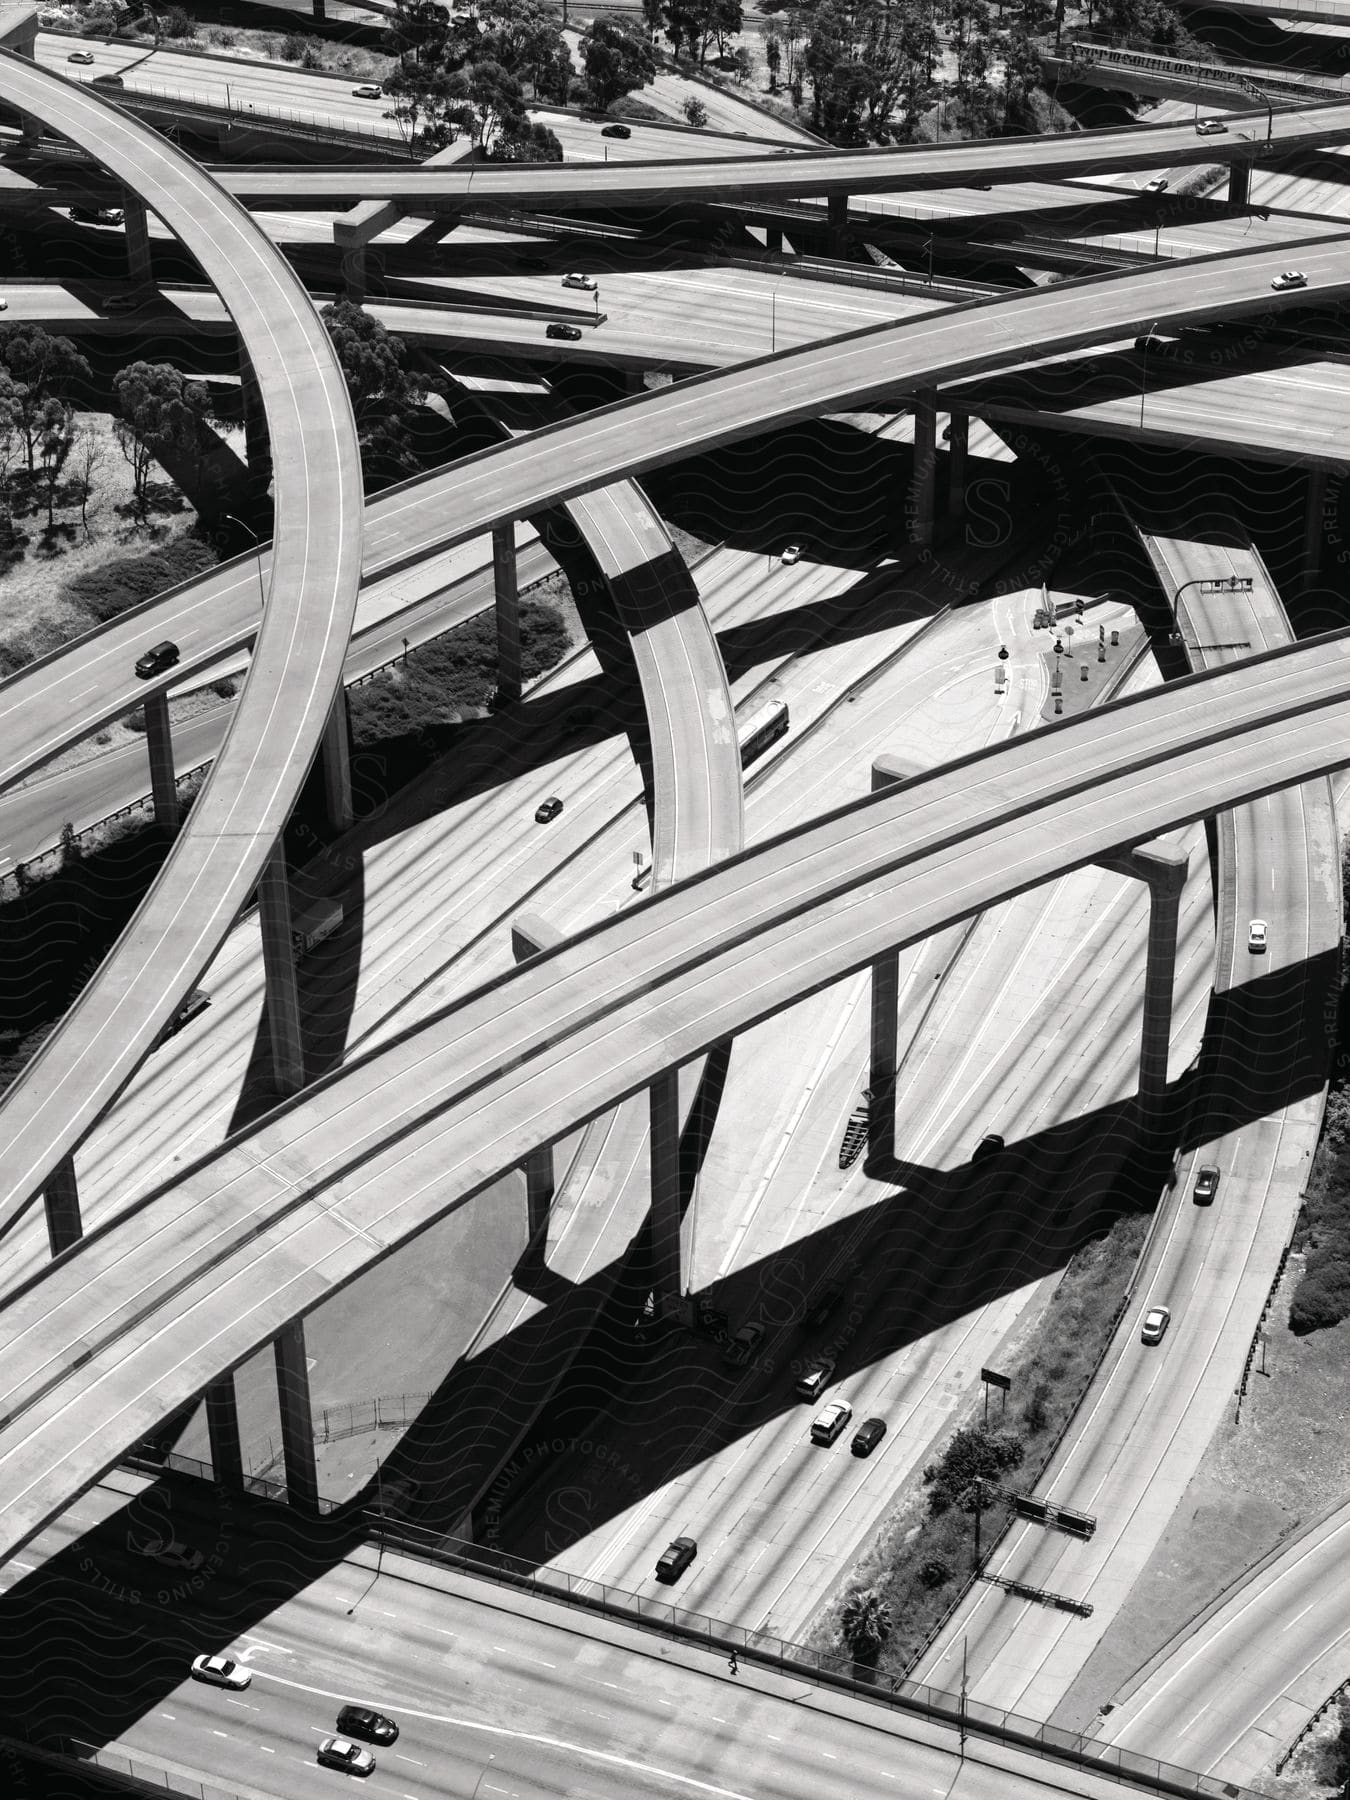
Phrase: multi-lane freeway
(201, 1273)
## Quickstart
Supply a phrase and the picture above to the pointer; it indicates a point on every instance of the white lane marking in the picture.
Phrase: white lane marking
(538, 1739)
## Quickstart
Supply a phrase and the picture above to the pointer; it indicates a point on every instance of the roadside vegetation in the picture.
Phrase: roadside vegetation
(1322, 1297)
(925, 1556)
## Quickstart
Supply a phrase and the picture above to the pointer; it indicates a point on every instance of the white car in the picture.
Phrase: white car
(792, 554)
(367, 91)
(830, 1421)
(1156, 1321)
(1256, 937)
(812, 1384)
(177, 1555)
(1291, 278)
(342, 1753)
(1156, 186)
(1209, 127)
(220, 1671)
(4, 305)
(80, 56)
(587, 283)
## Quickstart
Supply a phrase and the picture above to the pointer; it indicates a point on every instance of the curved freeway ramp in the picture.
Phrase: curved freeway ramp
(297, 662)
(111, 1339)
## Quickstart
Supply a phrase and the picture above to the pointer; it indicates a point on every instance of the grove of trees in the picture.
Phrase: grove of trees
(384, 393)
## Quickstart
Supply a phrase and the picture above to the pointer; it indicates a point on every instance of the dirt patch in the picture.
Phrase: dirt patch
(1284, 1460)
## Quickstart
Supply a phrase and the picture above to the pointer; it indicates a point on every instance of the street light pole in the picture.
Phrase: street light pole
(262, 591)
(1143, 372)
(481, 1773)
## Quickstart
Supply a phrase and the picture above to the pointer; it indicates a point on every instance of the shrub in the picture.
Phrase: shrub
(1036, 1411)
(695, 112)
(311, 59)
(135, 720)
(107, 591)
(1321, 1299)
(933, 1572)
(293, 46)
(226, 689)
(176, 23)
(975, 1453)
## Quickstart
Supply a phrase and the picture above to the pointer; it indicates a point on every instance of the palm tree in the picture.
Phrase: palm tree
(866, 1624)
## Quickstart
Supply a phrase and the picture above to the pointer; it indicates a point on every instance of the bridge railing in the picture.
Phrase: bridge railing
(829, 1668)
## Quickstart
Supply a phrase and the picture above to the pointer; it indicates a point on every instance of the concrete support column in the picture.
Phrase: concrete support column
(667, 1270)
(1162, 864)
(886, 772)
(283, 994)
(508, 611)
(257, 440)
(1314, 518)
(635, 381)
(354, 273)
(159, 748)
(137, 229)
(958, 449)
(836, 215)
(529, 935)
(297, 1418)
(1239, 183)
(222, 1426)
(61, 1198)
(773, 239)
(335, 752)
(319, 12)
(32, 129)
(924, 490)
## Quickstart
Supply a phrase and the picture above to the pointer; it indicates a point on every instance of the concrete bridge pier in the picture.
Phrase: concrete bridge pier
(335, 752)
(1163, 865)
(282, 991)
(297, 1418)
(257, 441)
(836, 219)
(887, 771)
(773, 239)
(958, 448)
(61, 1198)
(222, 1428)
(353, 272)
(924, 488)
(508, 611)
(666, 1222)
(1314, 520)
(135, 223)
(529, 935)
(159, 747)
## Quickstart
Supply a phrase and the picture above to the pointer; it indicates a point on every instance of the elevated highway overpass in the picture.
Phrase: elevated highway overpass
(160, 1302)
(657, 428)
(797, 173)
(297, 664)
